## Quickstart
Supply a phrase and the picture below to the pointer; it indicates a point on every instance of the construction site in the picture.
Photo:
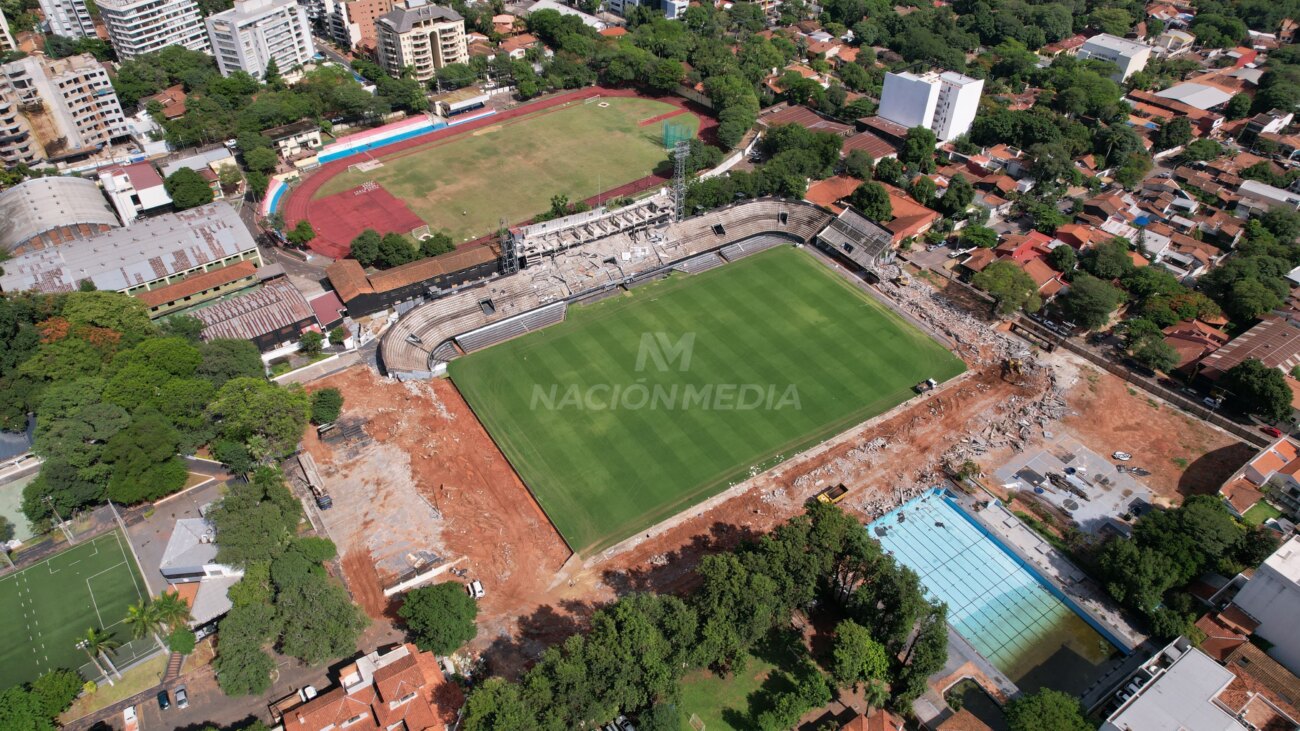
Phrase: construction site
(436, 497)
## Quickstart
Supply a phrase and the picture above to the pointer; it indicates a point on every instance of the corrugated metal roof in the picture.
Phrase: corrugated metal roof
(152, 249)
(247, 316)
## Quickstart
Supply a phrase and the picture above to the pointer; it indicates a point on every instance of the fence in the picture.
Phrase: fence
(82, 527)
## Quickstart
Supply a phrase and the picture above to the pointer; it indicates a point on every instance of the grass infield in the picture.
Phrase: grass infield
(466, 184)
(742, 366)
(47, 607)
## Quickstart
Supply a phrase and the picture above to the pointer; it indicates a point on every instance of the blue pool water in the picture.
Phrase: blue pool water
(997, 603)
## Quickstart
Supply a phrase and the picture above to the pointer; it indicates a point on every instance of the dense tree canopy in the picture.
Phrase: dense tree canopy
(440, 618)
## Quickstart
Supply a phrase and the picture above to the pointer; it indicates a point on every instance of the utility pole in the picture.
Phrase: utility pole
(66, 532)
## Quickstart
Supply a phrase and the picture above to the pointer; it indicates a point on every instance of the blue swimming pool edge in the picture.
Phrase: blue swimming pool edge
(1052, 588)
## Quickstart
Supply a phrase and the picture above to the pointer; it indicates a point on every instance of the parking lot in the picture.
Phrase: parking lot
(1084, 484)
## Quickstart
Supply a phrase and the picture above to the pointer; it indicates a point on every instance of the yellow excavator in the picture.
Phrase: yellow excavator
(1012, 369)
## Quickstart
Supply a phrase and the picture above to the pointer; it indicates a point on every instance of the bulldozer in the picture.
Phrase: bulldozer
(1012, 369)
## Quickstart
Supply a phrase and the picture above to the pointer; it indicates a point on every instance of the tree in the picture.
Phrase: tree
(859, 164)
(890, 170)
(440, 243)
(1010, 286)
(1254, 388)
(1047, 710)
(957, 198)
(1063, 259)
(311, 342)
(261, 159)
(143, 620)
(498, 705)
(1155, 353)
(326, 405)
(229, 177)
(55, 691)
(918, 149)
(1238, 106)
(318, 619)
(224, 359)
(181, 640)
(857, 657)
(440, 618)
(256, 520)
(269, 419)
(394, 250)
(1090, 301)
(1109, 260)
(97, 644)
(922, 190)
(872, 200)
(171, 610)
(365, 247)
(302, 233)
(187, 189)
(181, 326)
(1174, 133)
(981, 236)
(6, 529)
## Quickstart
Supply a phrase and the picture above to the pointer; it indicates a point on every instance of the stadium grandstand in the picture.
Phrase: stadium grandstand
(863, 242)
(427, 337)
(583, 228)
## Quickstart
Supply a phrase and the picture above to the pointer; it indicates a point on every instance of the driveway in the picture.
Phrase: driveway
(149, 535)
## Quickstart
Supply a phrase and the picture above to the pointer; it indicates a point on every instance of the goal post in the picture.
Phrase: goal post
(696, 723)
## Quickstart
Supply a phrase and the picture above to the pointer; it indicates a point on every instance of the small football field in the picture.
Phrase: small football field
(47, 607)
(639, 406)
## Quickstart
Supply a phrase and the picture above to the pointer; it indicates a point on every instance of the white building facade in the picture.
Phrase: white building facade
(1272, 598)
(421, 37)
(1130, 56)
(7, 42)
(248, 36)
(945, 103)
(137, 27)
(70, 18)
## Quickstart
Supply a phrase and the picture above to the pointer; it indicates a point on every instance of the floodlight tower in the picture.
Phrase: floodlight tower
(680, 152)
(509, 256)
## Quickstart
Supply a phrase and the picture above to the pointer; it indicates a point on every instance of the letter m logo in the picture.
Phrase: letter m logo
(660, 351)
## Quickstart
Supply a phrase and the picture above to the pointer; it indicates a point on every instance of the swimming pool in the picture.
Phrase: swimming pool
(996, 602)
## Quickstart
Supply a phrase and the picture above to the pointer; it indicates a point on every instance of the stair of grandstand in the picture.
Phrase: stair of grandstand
(445, 353)
(512, 328)
(751, 246)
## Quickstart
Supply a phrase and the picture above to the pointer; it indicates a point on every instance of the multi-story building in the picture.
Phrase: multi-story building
(1272, 598)
(55, 109)
(248, 36)
(672, 9)
(7, 43)
(1130, 56)
(945, 102)
(351, 23)
(137, 27)
(70, 18)
(134, 189)
(422, 37)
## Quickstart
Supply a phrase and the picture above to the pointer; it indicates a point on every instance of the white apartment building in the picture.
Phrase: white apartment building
(945, 103)
(249, 35)
(51, 109)
(137, 27)
(1130, 56)
(1272, 598)
(422, 37)
(70, 18)
(7, 43)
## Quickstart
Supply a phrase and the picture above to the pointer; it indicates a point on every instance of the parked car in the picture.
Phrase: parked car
(475, 589)
(1122, 456)
(182, 698)
(1272, 431)
(164, 701)
(129, 719)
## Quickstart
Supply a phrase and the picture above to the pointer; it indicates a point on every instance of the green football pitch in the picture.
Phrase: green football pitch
(637, 407)
(47, 607)
(464, 185)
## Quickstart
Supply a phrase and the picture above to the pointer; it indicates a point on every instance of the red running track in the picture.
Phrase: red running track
(333, 236)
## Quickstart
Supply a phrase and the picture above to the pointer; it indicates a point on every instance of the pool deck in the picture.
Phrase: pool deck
(1055, 568)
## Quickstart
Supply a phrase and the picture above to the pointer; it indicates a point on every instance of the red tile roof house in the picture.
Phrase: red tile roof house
(1275, 467)
(1194, 340)
(911, 219)
(399, 689)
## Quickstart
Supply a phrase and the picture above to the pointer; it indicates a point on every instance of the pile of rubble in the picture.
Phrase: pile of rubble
(975, 340)
(1012, 426)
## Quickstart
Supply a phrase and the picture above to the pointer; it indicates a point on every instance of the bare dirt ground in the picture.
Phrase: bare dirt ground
(537, 593)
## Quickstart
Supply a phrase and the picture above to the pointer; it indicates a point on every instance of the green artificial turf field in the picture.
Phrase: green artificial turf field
(48, 606)
(465, 185)
(720, 356)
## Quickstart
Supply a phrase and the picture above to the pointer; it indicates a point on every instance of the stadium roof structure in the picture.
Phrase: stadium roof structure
(36, 206)
(118, 260)
(858, 238)
(277, 304)
(1201, 96)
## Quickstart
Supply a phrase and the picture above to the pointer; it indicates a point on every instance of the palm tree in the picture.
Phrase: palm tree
(171, 610)
(98, 643)
(143, 620)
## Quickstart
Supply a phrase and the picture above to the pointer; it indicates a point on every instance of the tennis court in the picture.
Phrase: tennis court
(1003, 609)
(47, 607)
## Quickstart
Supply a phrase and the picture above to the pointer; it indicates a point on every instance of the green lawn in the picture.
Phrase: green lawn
(784, 354)
(731, 703)
(465, 186)
(47, 607)
(1260, 513)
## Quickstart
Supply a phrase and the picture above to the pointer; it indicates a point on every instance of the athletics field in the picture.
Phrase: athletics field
(640, 406)
(465, 184)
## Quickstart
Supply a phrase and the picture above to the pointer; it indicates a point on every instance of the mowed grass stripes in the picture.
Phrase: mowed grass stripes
(637, 407)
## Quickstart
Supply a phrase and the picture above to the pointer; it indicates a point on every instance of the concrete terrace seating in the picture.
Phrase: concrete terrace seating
(420, 339)
(701, 263)
(751, 246)
(512, 328)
